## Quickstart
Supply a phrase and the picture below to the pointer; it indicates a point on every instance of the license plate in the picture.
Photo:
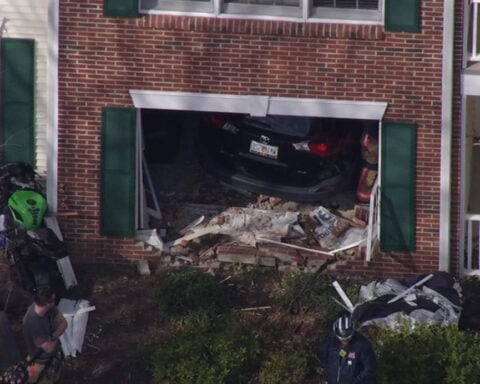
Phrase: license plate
(264, 149)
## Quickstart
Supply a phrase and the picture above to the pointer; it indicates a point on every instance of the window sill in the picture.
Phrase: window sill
(262, 26)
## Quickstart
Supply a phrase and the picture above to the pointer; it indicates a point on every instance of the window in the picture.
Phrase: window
(292, 3)
(355, 10)
(191, 6)
(352, 4)
(348, 9)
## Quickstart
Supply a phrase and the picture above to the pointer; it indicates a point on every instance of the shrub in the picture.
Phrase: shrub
(187, 292)
(206, 350)
(287, 365)
(300, 292)
(428, 354)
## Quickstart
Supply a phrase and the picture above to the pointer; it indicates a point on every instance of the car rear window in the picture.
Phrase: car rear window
(297, 126)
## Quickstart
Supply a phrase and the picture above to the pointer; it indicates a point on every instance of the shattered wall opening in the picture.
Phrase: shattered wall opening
(201, 214)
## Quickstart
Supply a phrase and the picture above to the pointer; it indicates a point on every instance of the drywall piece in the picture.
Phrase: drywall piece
(65, 267)
(143, 267)
(343, 295)
(52, 223)
(150, 237)
(407, 291)
(76, 314)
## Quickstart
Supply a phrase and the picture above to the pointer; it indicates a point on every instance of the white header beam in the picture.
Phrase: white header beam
(258, 105)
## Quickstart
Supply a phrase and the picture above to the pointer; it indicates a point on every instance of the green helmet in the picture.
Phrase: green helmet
(27, 207)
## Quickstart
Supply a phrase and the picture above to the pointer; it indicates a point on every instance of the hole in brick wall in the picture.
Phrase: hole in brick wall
(203, 163)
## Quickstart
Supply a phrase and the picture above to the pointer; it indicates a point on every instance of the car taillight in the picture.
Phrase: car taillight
(318, 148)
(217, 121)
(221, 123)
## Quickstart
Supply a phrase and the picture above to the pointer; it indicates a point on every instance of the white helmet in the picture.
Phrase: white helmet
(344, 326)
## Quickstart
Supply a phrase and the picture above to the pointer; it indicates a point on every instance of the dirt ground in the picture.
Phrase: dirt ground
(126, 318)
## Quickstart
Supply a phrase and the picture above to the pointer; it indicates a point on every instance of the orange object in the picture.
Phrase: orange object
(365, 184)
(369, 172)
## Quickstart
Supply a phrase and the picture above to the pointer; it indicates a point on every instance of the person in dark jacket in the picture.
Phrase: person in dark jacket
(347, 357)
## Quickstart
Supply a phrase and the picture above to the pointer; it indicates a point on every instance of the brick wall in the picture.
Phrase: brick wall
(101, 59)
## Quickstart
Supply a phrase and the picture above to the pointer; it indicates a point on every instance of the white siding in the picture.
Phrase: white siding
(28, 19)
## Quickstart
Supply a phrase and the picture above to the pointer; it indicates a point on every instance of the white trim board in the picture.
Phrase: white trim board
(258, 105)
(52, 106)
(446, 137)
(471, 82)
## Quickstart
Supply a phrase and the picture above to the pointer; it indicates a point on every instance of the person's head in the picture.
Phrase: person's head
(344, 328)
(44, 296)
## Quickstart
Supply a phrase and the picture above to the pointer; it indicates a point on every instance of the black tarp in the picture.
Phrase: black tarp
(436, 300)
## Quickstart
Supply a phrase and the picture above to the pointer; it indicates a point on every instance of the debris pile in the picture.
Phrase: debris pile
(272, 232)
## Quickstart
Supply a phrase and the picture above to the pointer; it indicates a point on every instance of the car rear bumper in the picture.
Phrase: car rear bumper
(243, 182)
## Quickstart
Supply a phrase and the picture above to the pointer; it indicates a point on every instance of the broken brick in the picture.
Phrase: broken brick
(237, 254)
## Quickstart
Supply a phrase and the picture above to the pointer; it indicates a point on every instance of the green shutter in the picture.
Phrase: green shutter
(18, 100)
(125, 8)
(402, 15)
(118, 172)
(397, 204)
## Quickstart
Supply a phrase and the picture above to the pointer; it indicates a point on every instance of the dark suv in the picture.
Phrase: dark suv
(297, 158)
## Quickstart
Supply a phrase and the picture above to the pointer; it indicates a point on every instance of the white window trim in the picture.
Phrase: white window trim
(52, 105)
(305, 12)
(470, 83)
(258, 105)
